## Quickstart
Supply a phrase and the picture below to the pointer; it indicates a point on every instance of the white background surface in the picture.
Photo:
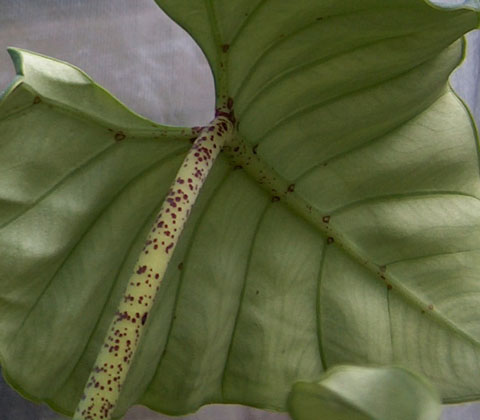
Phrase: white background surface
(136, 52)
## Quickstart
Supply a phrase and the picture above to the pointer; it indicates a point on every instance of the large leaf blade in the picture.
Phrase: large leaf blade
(291, 98)
(57, 216)
(205, 311)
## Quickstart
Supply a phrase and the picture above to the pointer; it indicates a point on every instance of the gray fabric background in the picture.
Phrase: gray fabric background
(152, 65)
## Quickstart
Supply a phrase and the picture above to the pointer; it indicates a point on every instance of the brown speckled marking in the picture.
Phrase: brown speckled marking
(37, 100)
(113, 361)
(119, 136)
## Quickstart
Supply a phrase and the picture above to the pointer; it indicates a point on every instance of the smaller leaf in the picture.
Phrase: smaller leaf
(456, 4)
(365, 393)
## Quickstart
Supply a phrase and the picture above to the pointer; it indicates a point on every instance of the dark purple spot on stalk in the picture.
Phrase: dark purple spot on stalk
(168, 248)
(142, 269)
(228, 115)
(192, 140)
(330, 240)
(160, 224)
(144, 318)
(291, 188)
(180, 180)
(37, 100)
(230, 103)
(275, 198)
(119, 136)
(121, 317)
(326, 219)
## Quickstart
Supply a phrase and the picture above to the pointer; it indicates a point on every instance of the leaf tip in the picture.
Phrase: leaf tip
(16, 54)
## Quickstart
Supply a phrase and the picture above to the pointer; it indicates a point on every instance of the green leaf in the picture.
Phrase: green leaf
(342, 226)
(365, 393)
(456, 4)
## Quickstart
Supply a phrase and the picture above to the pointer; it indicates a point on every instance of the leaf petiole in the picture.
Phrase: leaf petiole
(110, 369)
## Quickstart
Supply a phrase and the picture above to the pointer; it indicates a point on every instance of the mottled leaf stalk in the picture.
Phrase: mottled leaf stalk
(111, 367)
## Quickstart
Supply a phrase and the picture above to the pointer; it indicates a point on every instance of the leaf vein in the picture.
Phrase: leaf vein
(242, 295)
(87, 230)
(310, 108)
(399, 196)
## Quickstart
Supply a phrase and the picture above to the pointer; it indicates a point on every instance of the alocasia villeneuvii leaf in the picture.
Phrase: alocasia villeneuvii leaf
(365, 393)
(341, 226)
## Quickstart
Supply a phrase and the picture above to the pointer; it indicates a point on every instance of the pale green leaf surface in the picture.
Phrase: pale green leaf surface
(365, 393)
(345, 105)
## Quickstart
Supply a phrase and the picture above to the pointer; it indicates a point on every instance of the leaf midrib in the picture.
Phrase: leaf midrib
(277, 186)
(157, 131)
